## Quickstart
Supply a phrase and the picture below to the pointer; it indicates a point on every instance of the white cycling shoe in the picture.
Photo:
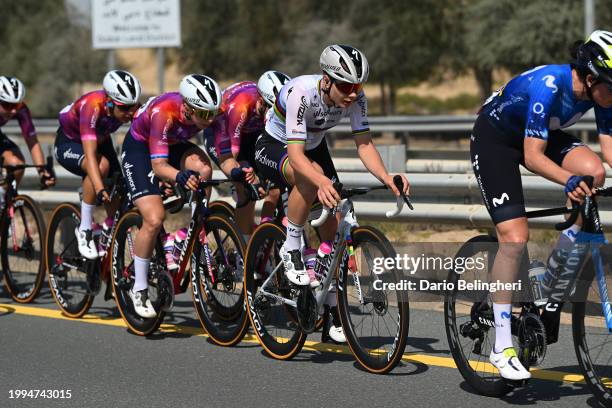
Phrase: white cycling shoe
(336, 333)
(142, 304)
(295, 270)
(87, 246)
(509, 365)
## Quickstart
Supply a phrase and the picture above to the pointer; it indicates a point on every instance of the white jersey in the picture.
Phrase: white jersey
(301, 116)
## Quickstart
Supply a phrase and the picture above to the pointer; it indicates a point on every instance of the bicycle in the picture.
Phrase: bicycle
(21, 237)
(535, 327)
(283, 314)
(73, 279)
(213, 250)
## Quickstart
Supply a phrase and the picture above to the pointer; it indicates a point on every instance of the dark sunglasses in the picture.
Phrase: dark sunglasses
(128, 108)
(347, 88)
(9, 106)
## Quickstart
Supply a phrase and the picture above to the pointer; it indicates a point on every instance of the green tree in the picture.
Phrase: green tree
(49, 53)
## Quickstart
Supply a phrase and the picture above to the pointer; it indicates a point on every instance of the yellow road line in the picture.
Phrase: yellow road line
(448, 362)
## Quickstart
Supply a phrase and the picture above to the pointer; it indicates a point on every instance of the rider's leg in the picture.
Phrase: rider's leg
(512, 235)
(269, 204)
(13, 157)
(152, 211)
(89, 194)
(245, 211)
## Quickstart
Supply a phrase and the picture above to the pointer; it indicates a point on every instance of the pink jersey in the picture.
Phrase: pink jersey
(24, 118)
(88, 118)
(159, 124)
(238, 118)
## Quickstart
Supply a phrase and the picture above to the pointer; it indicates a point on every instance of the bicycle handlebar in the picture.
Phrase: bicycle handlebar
(575, 209)
(346, 193)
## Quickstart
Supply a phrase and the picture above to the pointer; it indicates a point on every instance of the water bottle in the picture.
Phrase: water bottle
(323, 254)
(179, 239)
(310, 259)
(556, 262)
(537, 271)
(105, 237)
(168, 251)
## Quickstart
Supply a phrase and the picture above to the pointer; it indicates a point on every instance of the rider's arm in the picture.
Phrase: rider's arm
(538, 162)
(603, 118)
(88, 119)
(541, 99)
(161, 123)
(605, 141)
(365, 146)
(29, 134)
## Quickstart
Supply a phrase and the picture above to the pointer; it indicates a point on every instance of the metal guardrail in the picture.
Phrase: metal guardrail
(393, 124)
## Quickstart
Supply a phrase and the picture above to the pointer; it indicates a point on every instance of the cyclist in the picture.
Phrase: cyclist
(157, 148)
(84, 146)
(230, 141)
(12, 93)
(521, 124)
(293, 151)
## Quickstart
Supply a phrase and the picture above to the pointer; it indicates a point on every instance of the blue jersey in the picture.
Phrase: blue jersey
(540, 100)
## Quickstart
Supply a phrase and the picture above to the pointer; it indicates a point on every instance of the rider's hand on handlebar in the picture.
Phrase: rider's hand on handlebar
(388, 180)
(327, 194)
(250, 176)
(576, 189)
(47, 179)
(187, 179)
(102, 196)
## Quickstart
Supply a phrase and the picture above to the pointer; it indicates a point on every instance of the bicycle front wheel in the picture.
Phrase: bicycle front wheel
(123, 278)
(66, 268)
(267, 291)
(592, 339)
(23, 233)
(375, 322)
(217, 281)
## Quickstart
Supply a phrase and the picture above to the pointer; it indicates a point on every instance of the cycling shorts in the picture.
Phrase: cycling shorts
(8, 144)
(69, 154)
(271, 159)
(137, 168)
(496, 158)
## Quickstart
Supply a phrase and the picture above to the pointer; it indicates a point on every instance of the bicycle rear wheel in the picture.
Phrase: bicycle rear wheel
(66, 268)
(274, 322)
(375, 322)
(592, 339)
(221, 207)
(470, 341)
(217, 281)
(23, 234)
(122, 268)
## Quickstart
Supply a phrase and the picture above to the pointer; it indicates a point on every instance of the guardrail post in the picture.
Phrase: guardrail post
(396, 158)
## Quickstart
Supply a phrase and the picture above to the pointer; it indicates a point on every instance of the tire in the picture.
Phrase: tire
(219, 207)
(66, 268)
(480, 375)
(220, 304)
(23, 251)
(122, 275)
(274, 324)
(591, 334)
(376, 352)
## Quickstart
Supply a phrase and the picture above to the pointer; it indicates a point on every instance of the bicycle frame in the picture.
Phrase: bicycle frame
(347, 222)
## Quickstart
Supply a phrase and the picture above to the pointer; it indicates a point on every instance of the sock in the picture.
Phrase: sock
(86, 216)
(294, 236)
(193, 207)
(141, 270)
(503, 334)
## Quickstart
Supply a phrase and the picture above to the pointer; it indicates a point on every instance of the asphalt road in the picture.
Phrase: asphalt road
(103, 365)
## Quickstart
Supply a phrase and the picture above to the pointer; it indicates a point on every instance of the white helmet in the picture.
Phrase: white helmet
(200, 92)
(270, 84)
(122, 87)
(11, 90)
(344, 63)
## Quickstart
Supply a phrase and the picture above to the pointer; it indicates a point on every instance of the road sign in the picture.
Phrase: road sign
(135, 23)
